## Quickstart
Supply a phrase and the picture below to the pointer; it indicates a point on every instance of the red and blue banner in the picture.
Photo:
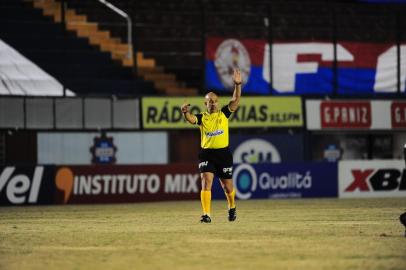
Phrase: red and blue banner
(222, 55)
(360, 76)
(305, 67)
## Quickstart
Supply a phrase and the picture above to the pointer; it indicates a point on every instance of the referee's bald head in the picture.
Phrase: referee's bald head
(211, 102)
(211, 94)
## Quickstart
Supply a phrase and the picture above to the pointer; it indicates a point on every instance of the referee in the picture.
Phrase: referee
(215, 157)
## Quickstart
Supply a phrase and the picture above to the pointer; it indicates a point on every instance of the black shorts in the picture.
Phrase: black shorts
(218, 161)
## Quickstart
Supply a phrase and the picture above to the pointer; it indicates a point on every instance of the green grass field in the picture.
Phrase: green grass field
(268, 234)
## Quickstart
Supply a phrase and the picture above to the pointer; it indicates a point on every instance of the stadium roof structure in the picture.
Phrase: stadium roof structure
(20, 76)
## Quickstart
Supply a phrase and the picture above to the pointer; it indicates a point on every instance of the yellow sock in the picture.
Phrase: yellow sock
(205, 198)
(231, 199)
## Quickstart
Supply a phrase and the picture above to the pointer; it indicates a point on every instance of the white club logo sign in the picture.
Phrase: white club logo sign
(256, 151)
(232, 54)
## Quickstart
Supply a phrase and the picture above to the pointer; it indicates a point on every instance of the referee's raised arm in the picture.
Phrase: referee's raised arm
(187, 115)
(235, 100)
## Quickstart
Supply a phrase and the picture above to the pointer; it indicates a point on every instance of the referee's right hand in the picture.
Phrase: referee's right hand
(185, 107)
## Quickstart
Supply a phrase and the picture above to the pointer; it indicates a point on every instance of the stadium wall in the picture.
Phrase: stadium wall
(85, 148)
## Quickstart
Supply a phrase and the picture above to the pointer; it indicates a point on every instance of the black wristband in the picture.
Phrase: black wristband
(237, 83)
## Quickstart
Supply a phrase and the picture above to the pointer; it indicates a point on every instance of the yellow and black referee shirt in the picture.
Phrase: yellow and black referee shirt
(214, 128)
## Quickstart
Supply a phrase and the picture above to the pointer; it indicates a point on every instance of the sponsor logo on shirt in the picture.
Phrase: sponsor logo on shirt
(214, 133)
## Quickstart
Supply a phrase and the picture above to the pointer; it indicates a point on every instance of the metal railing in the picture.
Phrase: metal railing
(129, 25)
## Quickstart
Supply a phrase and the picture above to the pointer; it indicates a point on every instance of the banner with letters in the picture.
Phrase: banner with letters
(284, 180)
(98, 184)
(304, 67)
(164, 113)
(372, 178)
(356, 114)
(21, 185)
(31, 185)
(116, 184)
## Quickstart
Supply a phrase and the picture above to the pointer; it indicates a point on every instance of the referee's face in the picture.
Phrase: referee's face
(211, 102)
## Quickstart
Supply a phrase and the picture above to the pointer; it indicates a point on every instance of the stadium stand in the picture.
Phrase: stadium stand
(173, 32)
(92, 14)
(169, 35)
(78, 65)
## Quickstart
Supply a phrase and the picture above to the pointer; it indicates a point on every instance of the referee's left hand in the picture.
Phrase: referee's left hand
(237, 76)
